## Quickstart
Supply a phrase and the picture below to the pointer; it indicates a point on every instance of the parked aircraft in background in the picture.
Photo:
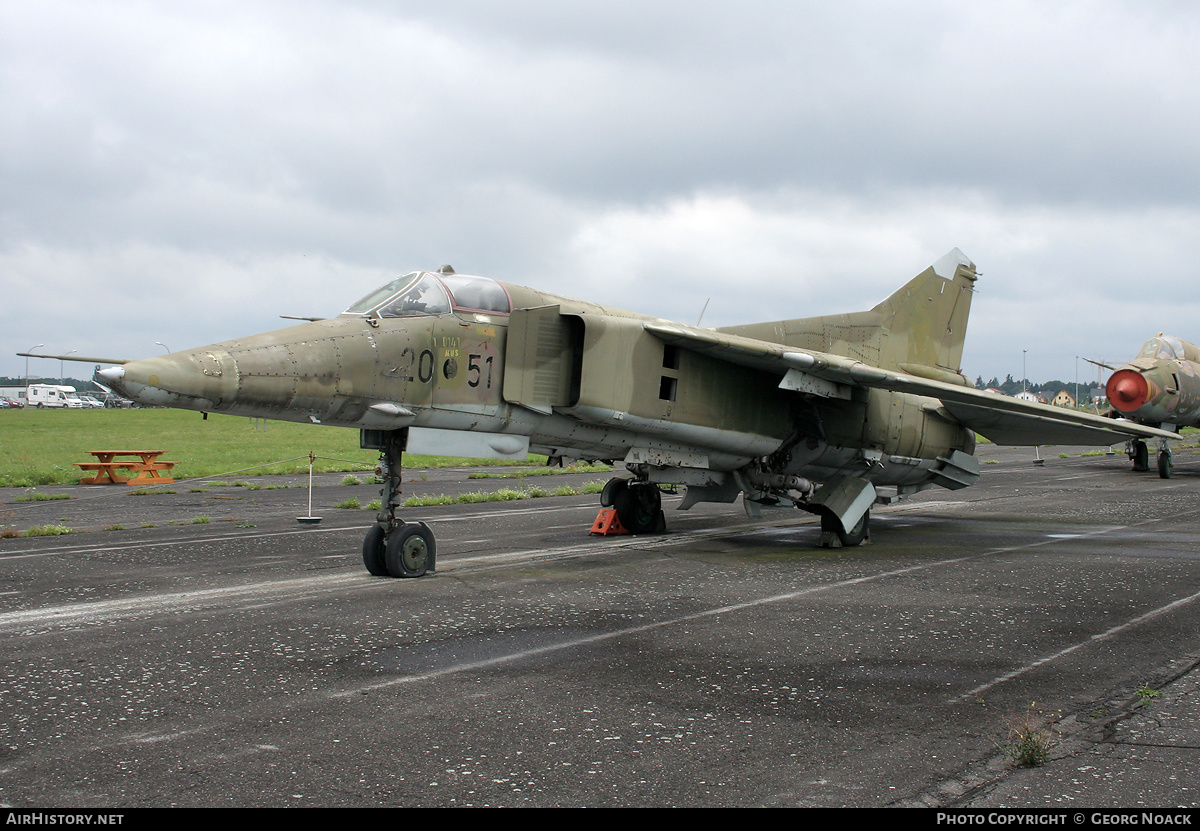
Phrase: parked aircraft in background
(828, 414)
(1160, 387)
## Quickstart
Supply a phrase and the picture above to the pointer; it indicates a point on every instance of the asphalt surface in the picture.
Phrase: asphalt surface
(202, 648)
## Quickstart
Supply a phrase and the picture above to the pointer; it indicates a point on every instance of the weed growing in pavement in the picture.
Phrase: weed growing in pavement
(1028, 743)
(1146, 694)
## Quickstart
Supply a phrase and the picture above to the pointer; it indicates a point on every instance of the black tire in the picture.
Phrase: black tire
(855, 536)
(638, 507)
(373, 552)
(1141, 456)
(1164, 465)
(410, 550)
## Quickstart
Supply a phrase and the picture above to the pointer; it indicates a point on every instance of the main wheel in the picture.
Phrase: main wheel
(613, 487)
(1141, 456)
(373, 552)
(1164, 464)
(410, 550)
(638, 507)
(849, 539)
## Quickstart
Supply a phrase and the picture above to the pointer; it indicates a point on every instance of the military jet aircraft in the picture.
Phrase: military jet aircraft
(1160, 387)
(828, 414)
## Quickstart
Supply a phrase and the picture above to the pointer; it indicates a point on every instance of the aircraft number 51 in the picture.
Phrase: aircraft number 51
(473, 366)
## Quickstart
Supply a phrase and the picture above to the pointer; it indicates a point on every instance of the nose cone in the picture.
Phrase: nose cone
(1127, 390)
(191, 380)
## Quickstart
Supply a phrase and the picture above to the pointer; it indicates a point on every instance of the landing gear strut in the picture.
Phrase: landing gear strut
(392, 547)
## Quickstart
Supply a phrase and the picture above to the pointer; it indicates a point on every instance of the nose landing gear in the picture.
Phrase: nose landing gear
(392, 547)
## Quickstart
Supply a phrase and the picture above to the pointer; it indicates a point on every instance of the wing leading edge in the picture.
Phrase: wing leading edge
(1000, 419)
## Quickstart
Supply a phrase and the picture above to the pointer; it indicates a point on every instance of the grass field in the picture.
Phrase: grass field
(40, 447)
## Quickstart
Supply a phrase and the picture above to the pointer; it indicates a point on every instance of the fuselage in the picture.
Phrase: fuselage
(451, 352)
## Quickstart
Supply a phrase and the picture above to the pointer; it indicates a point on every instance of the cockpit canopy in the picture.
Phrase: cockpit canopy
(427, 293)
(1166, 347)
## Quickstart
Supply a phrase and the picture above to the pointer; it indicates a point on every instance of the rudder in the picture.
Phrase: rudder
(926, 319)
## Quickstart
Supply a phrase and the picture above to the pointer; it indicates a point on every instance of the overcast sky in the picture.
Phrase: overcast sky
(185, 173)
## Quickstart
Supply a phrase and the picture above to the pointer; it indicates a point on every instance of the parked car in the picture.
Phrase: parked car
(91, 403)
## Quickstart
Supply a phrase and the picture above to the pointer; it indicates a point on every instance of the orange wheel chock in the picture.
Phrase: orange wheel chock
(607, 524)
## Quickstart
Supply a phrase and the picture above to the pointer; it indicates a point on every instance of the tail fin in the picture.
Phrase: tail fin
(926, 320)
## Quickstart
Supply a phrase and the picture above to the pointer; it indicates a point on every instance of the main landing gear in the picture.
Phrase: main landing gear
(832, 528)
(638, 505)
(392, 547)
(1139, 454)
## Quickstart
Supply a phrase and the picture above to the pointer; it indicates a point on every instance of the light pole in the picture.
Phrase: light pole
(62, 374)
(39, 346)
(1024, 380)
(1077, 382)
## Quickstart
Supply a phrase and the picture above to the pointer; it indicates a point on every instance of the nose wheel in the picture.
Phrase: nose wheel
(1164, 464)
(1165, 459)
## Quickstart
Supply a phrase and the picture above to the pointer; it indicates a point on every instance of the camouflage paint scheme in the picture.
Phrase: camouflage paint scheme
(1160, 387)
(818, 413)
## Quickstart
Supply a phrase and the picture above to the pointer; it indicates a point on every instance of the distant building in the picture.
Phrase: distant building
(1063, 399)
(1026, 395)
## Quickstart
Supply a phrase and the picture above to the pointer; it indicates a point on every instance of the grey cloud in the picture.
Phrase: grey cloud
(845, 144)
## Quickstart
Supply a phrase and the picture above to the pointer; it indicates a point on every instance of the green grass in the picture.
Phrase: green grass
(46, 531)
(502, 495)
(582, 467)
(34, 496)
(42, 446)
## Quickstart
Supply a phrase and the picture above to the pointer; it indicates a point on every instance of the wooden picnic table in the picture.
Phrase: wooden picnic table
(147, 467)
